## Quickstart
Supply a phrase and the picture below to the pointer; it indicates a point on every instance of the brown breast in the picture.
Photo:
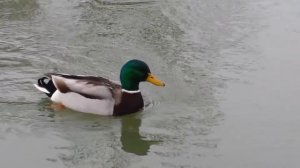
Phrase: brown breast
(130, 103)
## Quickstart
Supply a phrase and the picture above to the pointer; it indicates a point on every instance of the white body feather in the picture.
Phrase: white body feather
(80, 103)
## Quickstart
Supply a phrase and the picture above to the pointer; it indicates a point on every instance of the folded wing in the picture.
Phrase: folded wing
(88, 86)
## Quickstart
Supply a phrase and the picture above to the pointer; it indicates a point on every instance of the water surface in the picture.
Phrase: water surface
(230, 69)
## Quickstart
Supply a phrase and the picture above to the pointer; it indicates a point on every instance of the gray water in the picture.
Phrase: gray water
(231, 69)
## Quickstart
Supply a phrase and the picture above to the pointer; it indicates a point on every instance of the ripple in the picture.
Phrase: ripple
(14, 62)
(149, 101)
(129, 3)
(9, 47)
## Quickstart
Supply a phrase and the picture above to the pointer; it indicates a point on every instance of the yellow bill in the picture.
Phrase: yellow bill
(155, 81)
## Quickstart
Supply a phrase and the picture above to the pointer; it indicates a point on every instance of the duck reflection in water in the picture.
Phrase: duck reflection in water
(132, 141)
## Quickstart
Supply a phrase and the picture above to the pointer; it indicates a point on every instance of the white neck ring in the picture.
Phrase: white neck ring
(131, 91)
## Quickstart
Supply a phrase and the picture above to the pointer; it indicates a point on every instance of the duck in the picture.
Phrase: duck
(98, 95)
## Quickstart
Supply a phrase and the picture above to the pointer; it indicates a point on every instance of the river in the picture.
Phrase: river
(230, 68)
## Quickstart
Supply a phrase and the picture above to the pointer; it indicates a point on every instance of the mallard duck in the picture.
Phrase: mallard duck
(97, 95)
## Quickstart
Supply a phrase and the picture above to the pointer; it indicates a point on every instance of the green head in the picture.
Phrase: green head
(135, 71)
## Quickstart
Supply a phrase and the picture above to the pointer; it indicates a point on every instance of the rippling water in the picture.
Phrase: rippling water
(202, 49)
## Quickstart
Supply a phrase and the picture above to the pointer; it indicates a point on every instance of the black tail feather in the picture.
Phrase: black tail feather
(49, 85)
